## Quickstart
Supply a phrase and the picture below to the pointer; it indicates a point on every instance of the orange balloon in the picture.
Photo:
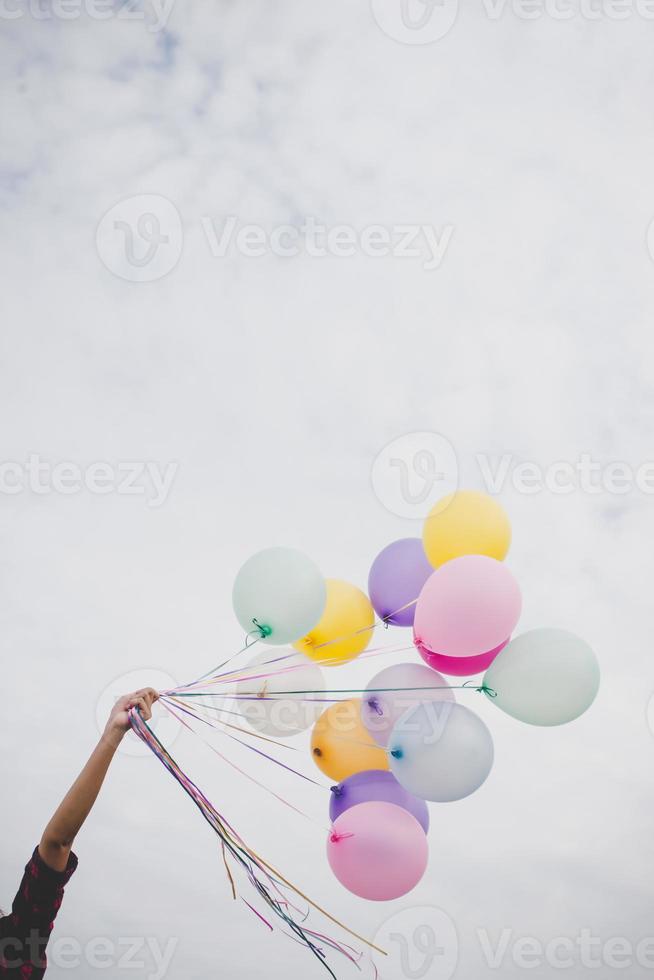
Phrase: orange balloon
(341, 745)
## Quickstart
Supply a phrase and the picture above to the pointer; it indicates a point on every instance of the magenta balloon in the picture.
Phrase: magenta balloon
(378, 851)
(396, 579)
(458, 666)
(467, 608)
(376, 785)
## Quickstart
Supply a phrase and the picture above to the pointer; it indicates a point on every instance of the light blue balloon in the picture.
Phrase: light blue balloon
(440, 751)
(280, 593)
(544, 677)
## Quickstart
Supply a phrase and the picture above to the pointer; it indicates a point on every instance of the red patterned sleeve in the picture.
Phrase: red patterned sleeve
(25, 932)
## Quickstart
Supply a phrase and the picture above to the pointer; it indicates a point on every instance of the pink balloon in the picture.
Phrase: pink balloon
(467, 608)
(378, 851)
(459, 666)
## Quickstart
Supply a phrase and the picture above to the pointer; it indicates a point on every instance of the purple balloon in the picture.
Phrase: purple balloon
(376, 786)
(396, 578)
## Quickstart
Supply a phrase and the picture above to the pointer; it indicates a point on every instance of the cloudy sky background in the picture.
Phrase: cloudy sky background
(272, 383)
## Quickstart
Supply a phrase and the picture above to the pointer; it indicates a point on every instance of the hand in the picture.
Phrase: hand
(118, 723)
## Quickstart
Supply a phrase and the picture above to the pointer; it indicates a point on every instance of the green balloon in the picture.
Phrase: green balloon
(544, 677)
(281, 593)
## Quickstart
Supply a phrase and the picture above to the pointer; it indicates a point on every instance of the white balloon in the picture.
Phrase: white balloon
(545, 677)
(396, 689)
(281, 593)
(270, 675)
(441, 751)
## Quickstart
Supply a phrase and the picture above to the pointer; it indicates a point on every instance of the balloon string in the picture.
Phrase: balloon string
(252, 747)
(254, 696)
(384, 621)
(188, 709)
(214, 724)
(340, 738)
(233, 765)
(285, 668)
(211, 672)
(247, 858)
(299, 662)
(261, 631)
(193, 714)
(387, 619)
(230, 678)
(265, 755)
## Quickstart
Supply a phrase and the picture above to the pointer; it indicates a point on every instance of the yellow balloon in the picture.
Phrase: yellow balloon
(345, 628)
(341, 745)
(466, 523)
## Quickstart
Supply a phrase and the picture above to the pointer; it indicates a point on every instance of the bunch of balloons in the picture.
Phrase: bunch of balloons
(406, 740)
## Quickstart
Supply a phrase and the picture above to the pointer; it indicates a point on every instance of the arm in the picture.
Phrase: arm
(58, 836)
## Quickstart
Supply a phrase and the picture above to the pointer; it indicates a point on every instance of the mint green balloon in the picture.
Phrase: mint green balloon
(544, 677)
(281, 592)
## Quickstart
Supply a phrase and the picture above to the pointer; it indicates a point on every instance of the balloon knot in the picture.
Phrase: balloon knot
(262, 628)
(336, 837)
(336, 790)
(374, 704)
(481, 689)
(397, 753)
(317, 752)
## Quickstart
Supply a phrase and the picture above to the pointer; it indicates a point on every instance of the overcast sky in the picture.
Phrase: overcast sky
(215, 389)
